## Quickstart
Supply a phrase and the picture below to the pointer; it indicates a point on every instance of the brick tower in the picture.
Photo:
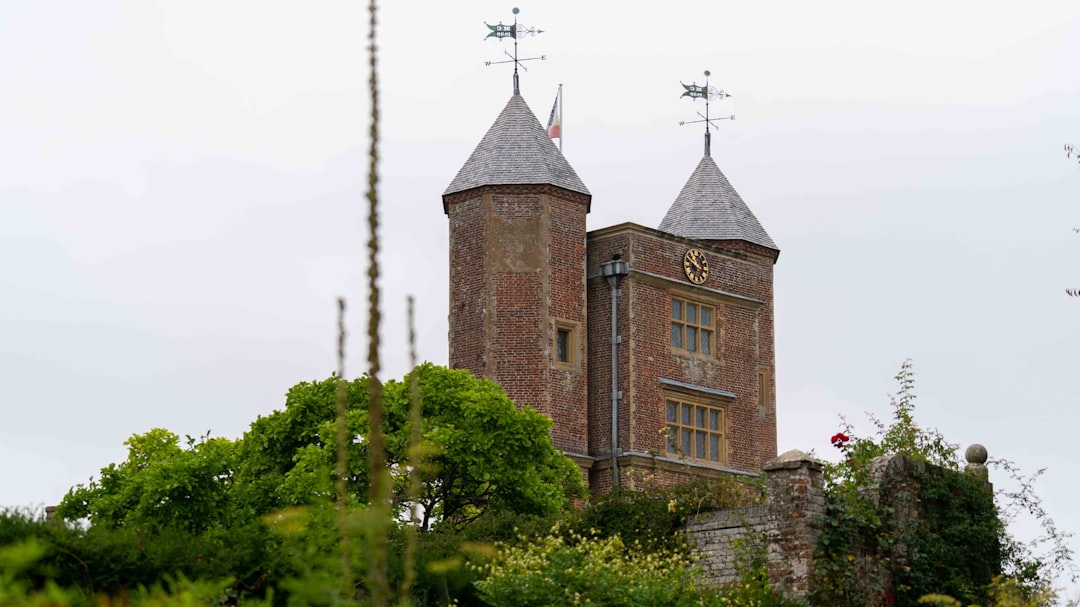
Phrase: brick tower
(517, 272)
(710, 211)
(692, 326)
(650, 349)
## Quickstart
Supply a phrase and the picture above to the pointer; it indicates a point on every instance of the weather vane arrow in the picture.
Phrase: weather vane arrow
(694, 91)
(501, 32)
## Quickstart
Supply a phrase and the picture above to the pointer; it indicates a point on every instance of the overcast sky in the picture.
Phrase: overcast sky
(181, 200)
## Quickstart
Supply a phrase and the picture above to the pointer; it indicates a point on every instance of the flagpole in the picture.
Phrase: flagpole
(560, 118)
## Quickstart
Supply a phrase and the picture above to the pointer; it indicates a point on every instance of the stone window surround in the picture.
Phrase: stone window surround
(698, 397)
(573, 342)
(706, 335)
(764, 398)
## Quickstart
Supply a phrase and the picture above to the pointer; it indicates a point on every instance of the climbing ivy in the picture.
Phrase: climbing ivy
(873, 549)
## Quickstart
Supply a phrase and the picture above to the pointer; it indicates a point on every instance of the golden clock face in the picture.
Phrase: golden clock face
(696, 266)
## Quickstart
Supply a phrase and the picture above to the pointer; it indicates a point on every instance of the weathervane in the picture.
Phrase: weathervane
(707, 93)
(515, 31)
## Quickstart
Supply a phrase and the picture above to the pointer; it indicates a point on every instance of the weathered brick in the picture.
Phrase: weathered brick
(522, 265)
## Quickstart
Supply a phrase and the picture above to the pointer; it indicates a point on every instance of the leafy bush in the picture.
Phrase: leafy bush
(873, 552)
(655, 516)
(574, 569)
(644, 516)
(99, 560)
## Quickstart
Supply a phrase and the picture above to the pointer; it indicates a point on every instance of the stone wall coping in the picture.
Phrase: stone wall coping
(638, 459)
(753, 516)
(793, 459)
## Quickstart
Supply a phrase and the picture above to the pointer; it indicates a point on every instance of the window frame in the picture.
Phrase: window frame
(694, 327)
(573, 357)
(700, 410)
(764, 389)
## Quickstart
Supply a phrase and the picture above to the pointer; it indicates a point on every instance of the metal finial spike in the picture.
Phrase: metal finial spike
(517, 83)
(708, 151)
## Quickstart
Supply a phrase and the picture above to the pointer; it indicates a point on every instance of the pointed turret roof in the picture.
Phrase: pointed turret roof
(708, 208)
(516, 151)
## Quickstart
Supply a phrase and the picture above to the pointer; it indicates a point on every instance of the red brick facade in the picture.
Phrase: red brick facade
(521, 266)
(517, 273)
(530, 309)
(651, 370)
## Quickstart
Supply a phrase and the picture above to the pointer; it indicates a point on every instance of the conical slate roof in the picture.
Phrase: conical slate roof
(708, 208)
(516, 151)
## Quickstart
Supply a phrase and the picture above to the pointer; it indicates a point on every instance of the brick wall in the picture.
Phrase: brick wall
(568, 384)
(740, 287)
(789, 521)
(517, 267)
(713, 533)
(519, 261)
(469, 303)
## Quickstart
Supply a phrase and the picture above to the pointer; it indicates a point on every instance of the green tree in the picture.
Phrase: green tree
(481, 453)
(490, 456)
(160, 485)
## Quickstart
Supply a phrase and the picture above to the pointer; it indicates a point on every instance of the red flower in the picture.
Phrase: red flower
(839, 439)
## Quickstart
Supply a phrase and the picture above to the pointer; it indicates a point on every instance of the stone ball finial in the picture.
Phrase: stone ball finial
(976, 458)
(976, 454)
